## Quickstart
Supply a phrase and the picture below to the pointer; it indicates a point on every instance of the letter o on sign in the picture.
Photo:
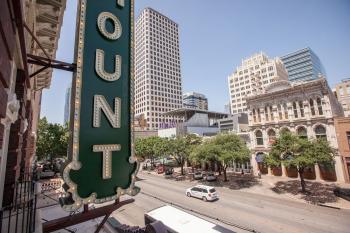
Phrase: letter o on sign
(101, 23)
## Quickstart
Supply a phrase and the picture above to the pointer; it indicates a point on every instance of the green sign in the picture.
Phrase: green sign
(102, 164)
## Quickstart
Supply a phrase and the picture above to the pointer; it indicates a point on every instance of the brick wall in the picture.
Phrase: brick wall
(342, 126)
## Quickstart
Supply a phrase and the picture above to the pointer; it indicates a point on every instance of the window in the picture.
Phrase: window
(259, 116)
(295, 110)
(280, 115)
(348, 136)
(312, 107)
(272, 136)
(271, 113)
(301, 107)
(259, 138)
(254, 115)
(302, 132)
(266, 115)
(285, 111)
(320, 132)
(319, 106)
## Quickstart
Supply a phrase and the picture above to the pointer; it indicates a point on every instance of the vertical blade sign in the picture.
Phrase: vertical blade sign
(102, 166)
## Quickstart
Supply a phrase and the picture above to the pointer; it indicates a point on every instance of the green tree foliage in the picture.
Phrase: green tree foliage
(52, 140)
(223, 148)
(300, 153)
(151, 148)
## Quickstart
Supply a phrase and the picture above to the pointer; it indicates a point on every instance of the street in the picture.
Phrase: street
(241, 211)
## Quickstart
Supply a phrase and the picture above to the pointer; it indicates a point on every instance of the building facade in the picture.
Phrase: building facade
(158, 86)
(342, 127)
(342, 92)
(195, 121)
(254, 74)
(303, 65)
(195, 100)
(307, 109)
(67, 105)
(21, 85)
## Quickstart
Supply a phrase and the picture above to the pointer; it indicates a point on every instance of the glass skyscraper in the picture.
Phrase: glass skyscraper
(303, 65)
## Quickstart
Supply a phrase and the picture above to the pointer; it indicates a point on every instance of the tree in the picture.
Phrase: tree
(301, 153)
(206, 152)
(52, 140)
(178, 147)
(152, 147)
(232, 149)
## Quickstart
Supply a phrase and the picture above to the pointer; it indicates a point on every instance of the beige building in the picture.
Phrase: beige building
(307, 109)
(342, 92)
(254, 74)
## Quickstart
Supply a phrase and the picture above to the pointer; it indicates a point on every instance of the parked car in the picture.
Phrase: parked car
(198, 175)
(210, 176)
(168, 172)
(206, 193)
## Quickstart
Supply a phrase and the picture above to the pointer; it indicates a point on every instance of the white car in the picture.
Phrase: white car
(206, 193)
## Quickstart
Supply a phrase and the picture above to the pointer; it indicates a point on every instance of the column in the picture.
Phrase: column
(284, 172)
(269, 172)
(317, 172)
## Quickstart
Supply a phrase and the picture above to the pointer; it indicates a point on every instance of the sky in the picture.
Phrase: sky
(216, 35)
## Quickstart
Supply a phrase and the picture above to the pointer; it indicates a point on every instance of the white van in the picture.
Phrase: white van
(179, 221)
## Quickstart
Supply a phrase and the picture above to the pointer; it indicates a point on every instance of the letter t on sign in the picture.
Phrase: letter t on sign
(107, 158)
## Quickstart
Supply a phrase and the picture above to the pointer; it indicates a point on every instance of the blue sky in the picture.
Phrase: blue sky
(216, 35)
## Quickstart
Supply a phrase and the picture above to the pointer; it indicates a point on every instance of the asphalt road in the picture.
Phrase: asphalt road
(237, 208)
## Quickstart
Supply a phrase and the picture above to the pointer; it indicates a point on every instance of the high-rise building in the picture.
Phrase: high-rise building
(303, 65)
(227, 108)
(342, 92)
(158, 86)
(251, 77)
(67, 105)
(195, 100)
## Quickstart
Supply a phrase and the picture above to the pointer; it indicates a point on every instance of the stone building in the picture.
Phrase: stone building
(29, 32)
(307, 109)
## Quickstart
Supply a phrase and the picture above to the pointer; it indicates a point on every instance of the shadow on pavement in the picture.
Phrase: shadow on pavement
(317, 193)
(235, 181)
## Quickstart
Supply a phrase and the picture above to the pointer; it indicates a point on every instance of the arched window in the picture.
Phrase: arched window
(302, 132)
(320, 132)
(259, 115)
(284, 130)
(295, 110)
(272, 136)
(285, 108)
(312, 107)
(319, 106)
(301, 107)
(259, 138)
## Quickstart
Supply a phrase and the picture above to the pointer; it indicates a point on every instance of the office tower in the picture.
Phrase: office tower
(254, 74)
(157, 68)
(67, 105)
(227, 108)
(342, 92)
(195, 100)
(303, 65)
